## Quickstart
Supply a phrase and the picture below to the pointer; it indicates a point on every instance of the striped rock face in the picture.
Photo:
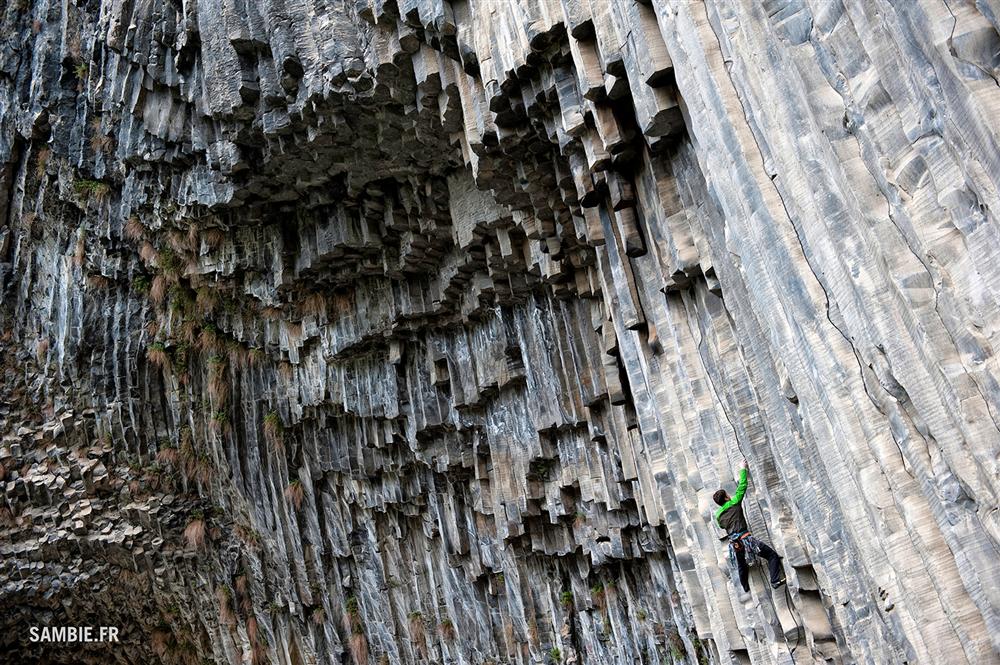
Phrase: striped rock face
(423, 331)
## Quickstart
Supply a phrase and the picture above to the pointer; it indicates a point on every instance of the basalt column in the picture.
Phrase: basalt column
(423, 331)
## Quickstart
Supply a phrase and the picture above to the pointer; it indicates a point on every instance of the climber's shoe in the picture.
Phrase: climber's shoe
(745, 597)
(777, 585)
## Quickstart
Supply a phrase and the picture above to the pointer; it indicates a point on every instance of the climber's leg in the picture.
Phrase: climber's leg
(741, 562)
(773, 563)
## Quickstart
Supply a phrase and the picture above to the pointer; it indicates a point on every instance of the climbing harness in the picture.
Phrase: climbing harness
(750, 546)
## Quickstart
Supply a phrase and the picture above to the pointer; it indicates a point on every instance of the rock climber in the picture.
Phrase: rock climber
(743, 547)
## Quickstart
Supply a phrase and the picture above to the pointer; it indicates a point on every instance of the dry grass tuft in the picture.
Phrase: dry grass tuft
(80, 251)
(295, 493)
(189, 331)
(156, 354)
(192, 236)
(43, 161)
(168, 455)
(313, 305)
(158, 289)
(208, 339)
(418, 631)
(447, 630)
(258, 654)
(318, 616)
(204, 470)
(41, 350)
(161, 642)
(100, 142)
(180, 242)
(218, 386)
(220, 422)
(98, 281)
(271, 313)
(134, 230)
(206, 300)
(359, 648)
(255, 356)
(225, 597)
(253, 631)
(148, 253)
(293, 331)
(213, 237)
(194, 533)
(239, 355)
(274, 431)
(242, 584)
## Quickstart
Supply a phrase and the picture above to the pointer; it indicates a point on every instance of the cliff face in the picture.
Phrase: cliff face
(424, 330)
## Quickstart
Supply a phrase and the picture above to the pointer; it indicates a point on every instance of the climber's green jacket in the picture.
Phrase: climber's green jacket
(730, 516)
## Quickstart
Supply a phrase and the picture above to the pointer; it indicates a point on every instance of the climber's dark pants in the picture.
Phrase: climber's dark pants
(773, 564)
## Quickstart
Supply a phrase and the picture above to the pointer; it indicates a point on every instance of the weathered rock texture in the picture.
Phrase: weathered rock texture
(423, 330)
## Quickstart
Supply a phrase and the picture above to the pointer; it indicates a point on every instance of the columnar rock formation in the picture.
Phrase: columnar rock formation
(406, 331)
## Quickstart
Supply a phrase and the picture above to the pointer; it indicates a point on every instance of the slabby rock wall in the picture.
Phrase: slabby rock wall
(399, 331)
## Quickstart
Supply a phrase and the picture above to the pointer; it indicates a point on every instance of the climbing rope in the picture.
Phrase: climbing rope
(796, 615)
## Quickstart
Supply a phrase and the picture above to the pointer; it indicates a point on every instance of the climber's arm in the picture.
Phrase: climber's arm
(741, 489)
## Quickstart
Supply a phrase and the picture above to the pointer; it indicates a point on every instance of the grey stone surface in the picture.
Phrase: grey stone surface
(422, 331)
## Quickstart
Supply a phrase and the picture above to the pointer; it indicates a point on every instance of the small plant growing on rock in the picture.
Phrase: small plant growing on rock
(134, 230)
(255, 356)
(194, 532)
(353, 614)
(148, 253)
(295, 493)
(206, 300)
(213, 237)
(358, 645)
(80, 70)
(314, 304)
(220, 421)
(140, 284)
(205, 470)
(158, 290)
(597, 593)
(540, 469)
(249, 535)
(226, 614)
(156, 354)
(447, 629)
(168, 454)
(555, 654)
(98, 281)
(91, 189)
(218, 387)
(99, 142)
(566, 599)
(416, 619)
(318, 616)
(274, 431)
(41, 162)
(41, 350)
(168, 262)
(208, 339)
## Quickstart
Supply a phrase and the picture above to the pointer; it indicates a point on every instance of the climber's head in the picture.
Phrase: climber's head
(720, 497)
